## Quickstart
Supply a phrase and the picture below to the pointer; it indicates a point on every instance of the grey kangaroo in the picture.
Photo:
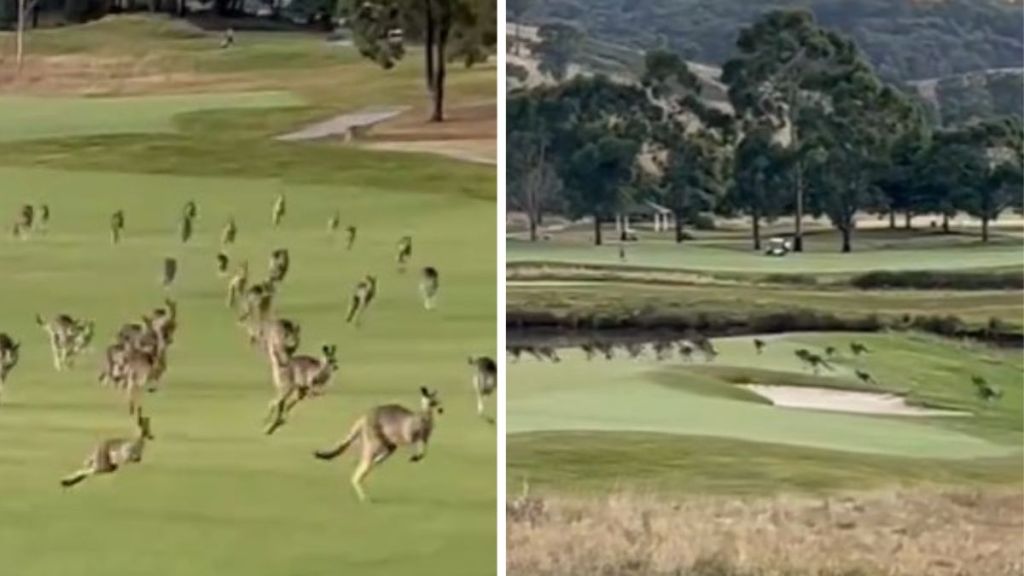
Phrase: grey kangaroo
(485, 380)
(113, 453)
(68, 337)
(429, 284)
(297, 377)
(10, 353)
(363, 295)
(383, 429)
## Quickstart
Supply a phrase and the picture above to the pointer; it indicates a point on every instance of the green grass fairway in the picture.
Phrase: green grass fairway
(568, 421)
(711, 257)
(26, 118)
(214, 495)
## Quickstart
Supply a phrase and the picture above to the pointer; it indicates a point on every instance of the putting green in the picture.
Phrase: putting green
(694, 256)
(29, 118)
(214, 495)
(643, 396)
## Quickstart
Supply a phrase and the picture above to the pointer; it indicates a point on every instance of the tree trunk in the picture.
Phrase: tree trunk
(440, 65)
(984, 228)
(756, 215)
(798, 232)
(846, 230)
(679, 226)
(533, 226)
(597, 230)
(428, 46)
(907, 216)
(945, 223)
(20, 35)
(892, 219)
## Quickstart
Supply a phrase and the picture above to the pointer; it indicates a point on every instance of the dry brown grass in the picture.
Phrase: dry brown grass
(89, 74)
(922, 532)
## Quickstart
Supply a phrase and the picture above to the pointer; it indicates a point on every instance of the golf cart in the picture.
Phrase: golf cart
(778, 247)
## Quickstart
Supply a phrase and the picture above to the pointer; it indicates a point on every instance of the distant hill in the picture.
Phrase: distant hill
(905, 40)
(602, 57)
(963, 97)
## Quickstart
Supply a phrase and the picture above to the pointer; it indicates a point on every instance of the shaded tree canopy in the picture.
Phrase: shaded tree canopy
(448, 29)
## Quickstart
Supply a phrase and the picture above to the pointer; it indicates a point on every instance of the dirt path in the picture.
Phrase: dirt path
(469, 133)
(843, 401)
(345, 124)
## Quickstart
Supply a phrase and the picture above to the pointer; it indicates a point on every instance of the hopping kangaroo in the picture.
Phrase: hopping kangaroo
(485, 380)
(116, 226)
(404, 251)
(295, 378)
(350, 237)
(275, 334)
(140, 369)
(280, 262)
(238, 284)
(364, 293)
(279, 210)
(382, 430)
(227, 235)
(429, 284)
(111, 454)
(68, 337)
(9, 355)
(257, 300)
(138, 357)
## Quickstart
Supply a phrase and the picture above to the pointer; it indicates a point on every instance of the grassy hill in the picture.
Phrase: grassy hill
(905, 40)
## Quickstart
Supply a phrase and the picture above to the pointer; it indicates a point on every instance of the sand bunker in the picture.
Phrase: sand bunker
(843, 401)
(346, 124)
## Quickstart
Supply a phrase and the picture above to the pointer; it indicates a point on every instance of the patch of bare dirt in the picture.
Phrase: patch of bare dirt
(469, 133)
(923, 532)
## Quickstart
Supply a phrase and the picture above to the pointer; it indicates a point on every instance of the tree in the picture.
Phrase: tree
(899, 178)
(692, 179)
(593, 130)
(559, 45)
(781, 77)
(531, 177)
(449, 29)
(853, 136)
(595, 176)
(760, 168)
(983, 168)
(687, 138)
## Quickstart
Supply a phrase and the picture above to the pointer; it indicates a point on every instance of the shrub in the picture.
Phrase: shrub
(940, 280)
(703, 222)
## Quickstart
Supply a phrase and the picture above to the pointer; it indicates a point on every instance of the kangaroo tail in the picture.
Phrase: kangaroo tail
(333, 453)
(70, 481)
